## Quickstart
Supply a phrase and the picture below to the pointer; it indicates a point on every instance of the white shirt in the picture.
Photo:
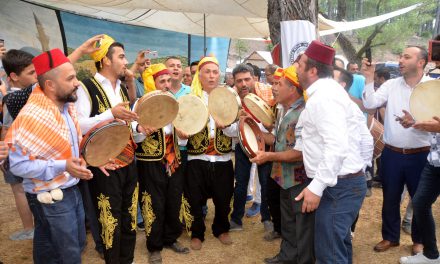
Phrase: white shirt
(328, 132)
(84, 105)
(396, 94)
(231, 131)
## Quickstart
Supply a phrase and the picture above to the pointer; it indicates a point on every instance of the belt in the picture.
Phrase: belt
(408, 151)
(351, 175)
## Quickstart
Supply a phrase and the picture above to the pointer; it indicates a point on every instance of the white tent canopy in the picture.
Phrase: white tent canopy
(225, 18)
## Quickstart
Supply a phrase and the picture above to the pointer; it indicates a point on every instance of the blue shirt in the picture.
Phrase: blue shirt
(184, 90)
(44, 170)
(358, 86)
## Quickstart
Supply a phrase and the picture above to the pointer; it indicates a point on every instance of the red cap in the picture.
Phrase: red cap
(162, 72)
(320, 52)
(49, 60)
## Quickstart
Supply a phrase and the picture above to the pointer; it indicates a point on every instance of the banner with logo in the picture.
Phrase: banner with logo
(295, 38)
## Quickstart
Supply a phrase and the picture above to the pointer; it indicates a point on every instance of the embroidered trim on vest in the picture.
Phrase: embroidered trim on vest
(153, 147)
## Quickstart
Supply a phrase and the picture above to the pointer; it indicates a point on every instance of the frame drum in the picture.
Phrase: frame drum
(192, 116)
(259, 109)
(424, 101)
(104, 141)
(156, 109)
(250, 137)
(224, 105)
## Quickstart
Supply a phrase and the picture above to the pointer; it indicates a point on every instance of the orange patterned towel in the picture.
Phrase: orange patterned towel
(41, 131)
(171, 161)
(264, 91)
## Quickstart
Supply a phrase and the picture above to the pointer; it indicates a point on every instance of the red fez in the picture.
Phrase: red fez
(320, 52)
(49, 60)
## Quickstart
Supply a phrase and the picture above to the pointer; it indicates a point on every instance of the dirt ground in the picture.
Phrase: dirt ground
(248, 245)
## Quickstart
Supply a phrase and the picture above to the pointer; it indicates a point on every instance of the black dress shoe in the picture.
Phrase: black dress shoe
(273, 260)
(178, 248)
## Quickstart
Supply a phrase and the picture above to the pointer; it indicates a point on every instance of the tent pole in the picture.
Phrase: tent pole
(204, 34)
(189, 49)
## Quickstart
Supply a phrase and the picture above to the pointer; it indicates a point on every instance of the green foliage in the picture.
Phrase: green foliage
(83, 73)
(241, 47)
(395, 32)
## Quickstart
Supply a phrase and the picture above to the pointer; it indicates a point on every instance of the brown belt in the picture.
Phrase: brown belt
(408, 151)
(351, 175)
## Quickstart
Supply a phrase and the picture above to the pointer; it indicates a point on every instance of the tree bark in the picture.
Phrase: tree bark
(284, 10)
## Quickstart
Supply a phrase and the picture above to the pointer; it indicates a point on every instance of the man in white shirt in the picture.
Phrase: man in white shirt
(328, 135)
(113, 192)
(209, 171)
(405, 152)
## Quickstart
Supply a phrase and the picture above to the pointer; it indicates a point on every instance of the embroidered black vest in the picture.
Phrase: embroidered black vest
(153, 147)
(199, 143)
(98, 98)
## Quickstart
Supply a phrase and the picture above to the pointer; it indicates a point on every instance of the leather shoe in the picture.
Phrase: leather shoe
(178, 248)
(384, 245)
(416, 248)
(196, 244)
(273, 260)
(225, 239)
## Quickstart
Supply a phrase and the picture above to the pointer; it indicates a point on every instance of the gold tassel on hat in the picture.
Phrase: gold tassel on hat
(196, 85)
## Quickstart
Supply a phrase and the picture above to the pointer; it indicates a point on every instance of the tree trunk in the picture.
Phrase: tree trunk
(284, 10)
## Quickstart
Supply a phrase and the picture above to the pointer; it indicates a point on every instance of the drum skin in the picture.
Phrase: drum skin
(192, 116)
(224, 105)
(104, 141)
(259, 109)
(156, 109)
(424, 101)
(250, 137)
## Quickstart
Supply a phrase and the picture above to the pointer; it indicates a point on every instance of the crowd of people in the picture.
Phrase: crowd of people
(315, 170)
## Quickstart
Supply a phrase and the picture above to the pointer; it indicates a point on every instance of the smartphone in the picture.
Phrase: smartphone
(368, 54)
(151, 54)
(434, 50)
(2, 42)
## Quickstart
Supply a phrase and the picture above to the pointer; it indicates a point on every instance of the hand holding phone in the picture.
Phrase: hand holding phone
(368, 55)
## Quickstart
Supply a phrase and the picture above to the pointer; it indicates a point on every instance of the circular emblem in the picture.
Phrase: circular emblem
(299, 48)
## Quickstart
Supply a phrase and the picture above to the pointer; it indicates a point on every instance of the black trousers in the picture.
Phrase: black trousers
(297, 229)
(160, 197)
(205, 180)
(273, 201)
(90, 213)
(115, 200)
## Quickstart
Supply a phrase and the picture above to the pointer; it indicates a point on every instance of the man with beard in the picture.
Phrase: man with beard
(161, 176)
(244, 83)
(406, 150)
(209, 170)
(327, 134)
(100, 98)
(45, 140)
